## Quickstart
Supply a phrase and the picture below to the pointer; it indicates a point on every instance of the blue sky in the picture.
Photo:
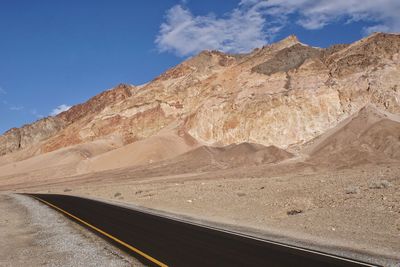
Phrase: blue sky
(57, 53)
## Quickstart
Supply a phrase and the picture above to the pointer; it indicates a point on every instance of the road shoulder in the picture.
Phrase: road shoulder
(33, 233)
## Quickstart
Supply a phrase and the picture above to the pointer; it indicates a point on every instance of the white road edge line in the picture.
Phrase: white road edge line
(241, 235)
(231, 232)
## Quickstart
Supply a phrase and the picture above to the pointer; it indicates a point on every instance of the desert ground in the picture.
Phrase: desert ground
(307, 154)
(324, 202)
(35, 235)
(355, 210)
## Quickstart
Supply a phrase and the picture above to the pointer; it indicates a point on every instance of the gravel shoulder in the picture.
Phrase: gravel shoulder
(32, 234)
(354, 210)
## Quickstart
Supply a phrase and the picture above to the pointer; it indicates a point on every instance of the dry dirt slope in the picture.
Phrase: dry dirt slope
(283, 94)
(369, 136)
(288, 138)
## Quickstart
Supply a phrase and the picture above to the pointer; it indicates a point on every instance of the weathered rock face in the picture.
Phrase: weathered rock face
(43, 130)
(293, 97)
(20, 138)
(282, 94)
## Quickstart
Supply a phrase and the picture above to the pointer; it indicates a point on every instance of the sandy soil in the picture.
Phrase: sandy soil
(162, 146)
(339, 192)
(354, 209)
(34, 235)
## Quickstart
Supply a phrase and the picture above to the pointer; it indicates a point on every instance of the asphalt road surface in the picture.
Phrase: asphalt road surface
(161, 241)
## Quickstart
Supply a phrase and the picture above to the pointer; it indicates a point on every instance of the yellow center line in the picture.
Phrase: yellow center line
(106, 234)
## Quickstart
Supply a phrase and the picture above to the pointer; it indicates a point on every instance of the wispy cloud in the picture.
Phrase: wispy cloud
(59, 109)
(239, 31)
(22, 109)
(19, 108)
(35, 113)
(254, 23)
(383, 14)
(16, 108)
(11, 106)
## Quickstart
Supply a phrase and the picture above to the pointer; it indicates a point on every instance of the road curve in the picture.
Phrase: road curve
(160, 241)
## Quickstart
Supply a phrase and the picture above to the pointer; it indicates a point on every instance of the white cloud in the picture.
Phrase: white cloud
(239, 31)
(317, 14)
(16, 108)
(376, 28)
(35, 113)
(59, 109)
(10, 106)
(254, 23)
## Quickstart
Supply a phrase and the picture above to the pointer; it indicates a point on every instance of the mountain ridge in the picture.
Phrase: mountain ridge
(289, 90)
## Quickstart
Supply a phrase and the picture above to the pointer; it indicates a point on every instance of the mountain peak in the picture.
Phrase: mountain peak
(381, 37)
(289, 41)
(281, 83)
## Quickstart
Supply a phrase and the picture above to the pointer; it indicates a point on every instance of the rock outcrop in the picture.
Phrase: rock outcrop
(284, 94)
(20, 138)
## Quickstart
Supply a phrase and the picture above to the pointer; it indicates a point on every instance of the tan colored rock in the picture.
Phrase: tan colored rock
(283, 94)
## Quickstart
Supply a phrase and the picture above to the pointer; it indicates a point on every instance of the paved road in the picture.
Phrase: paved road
(160, 241)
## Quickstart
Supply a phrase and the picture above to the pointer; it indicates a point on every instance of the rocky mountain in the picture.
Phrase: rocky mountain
(284, 95)
(294, 142)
